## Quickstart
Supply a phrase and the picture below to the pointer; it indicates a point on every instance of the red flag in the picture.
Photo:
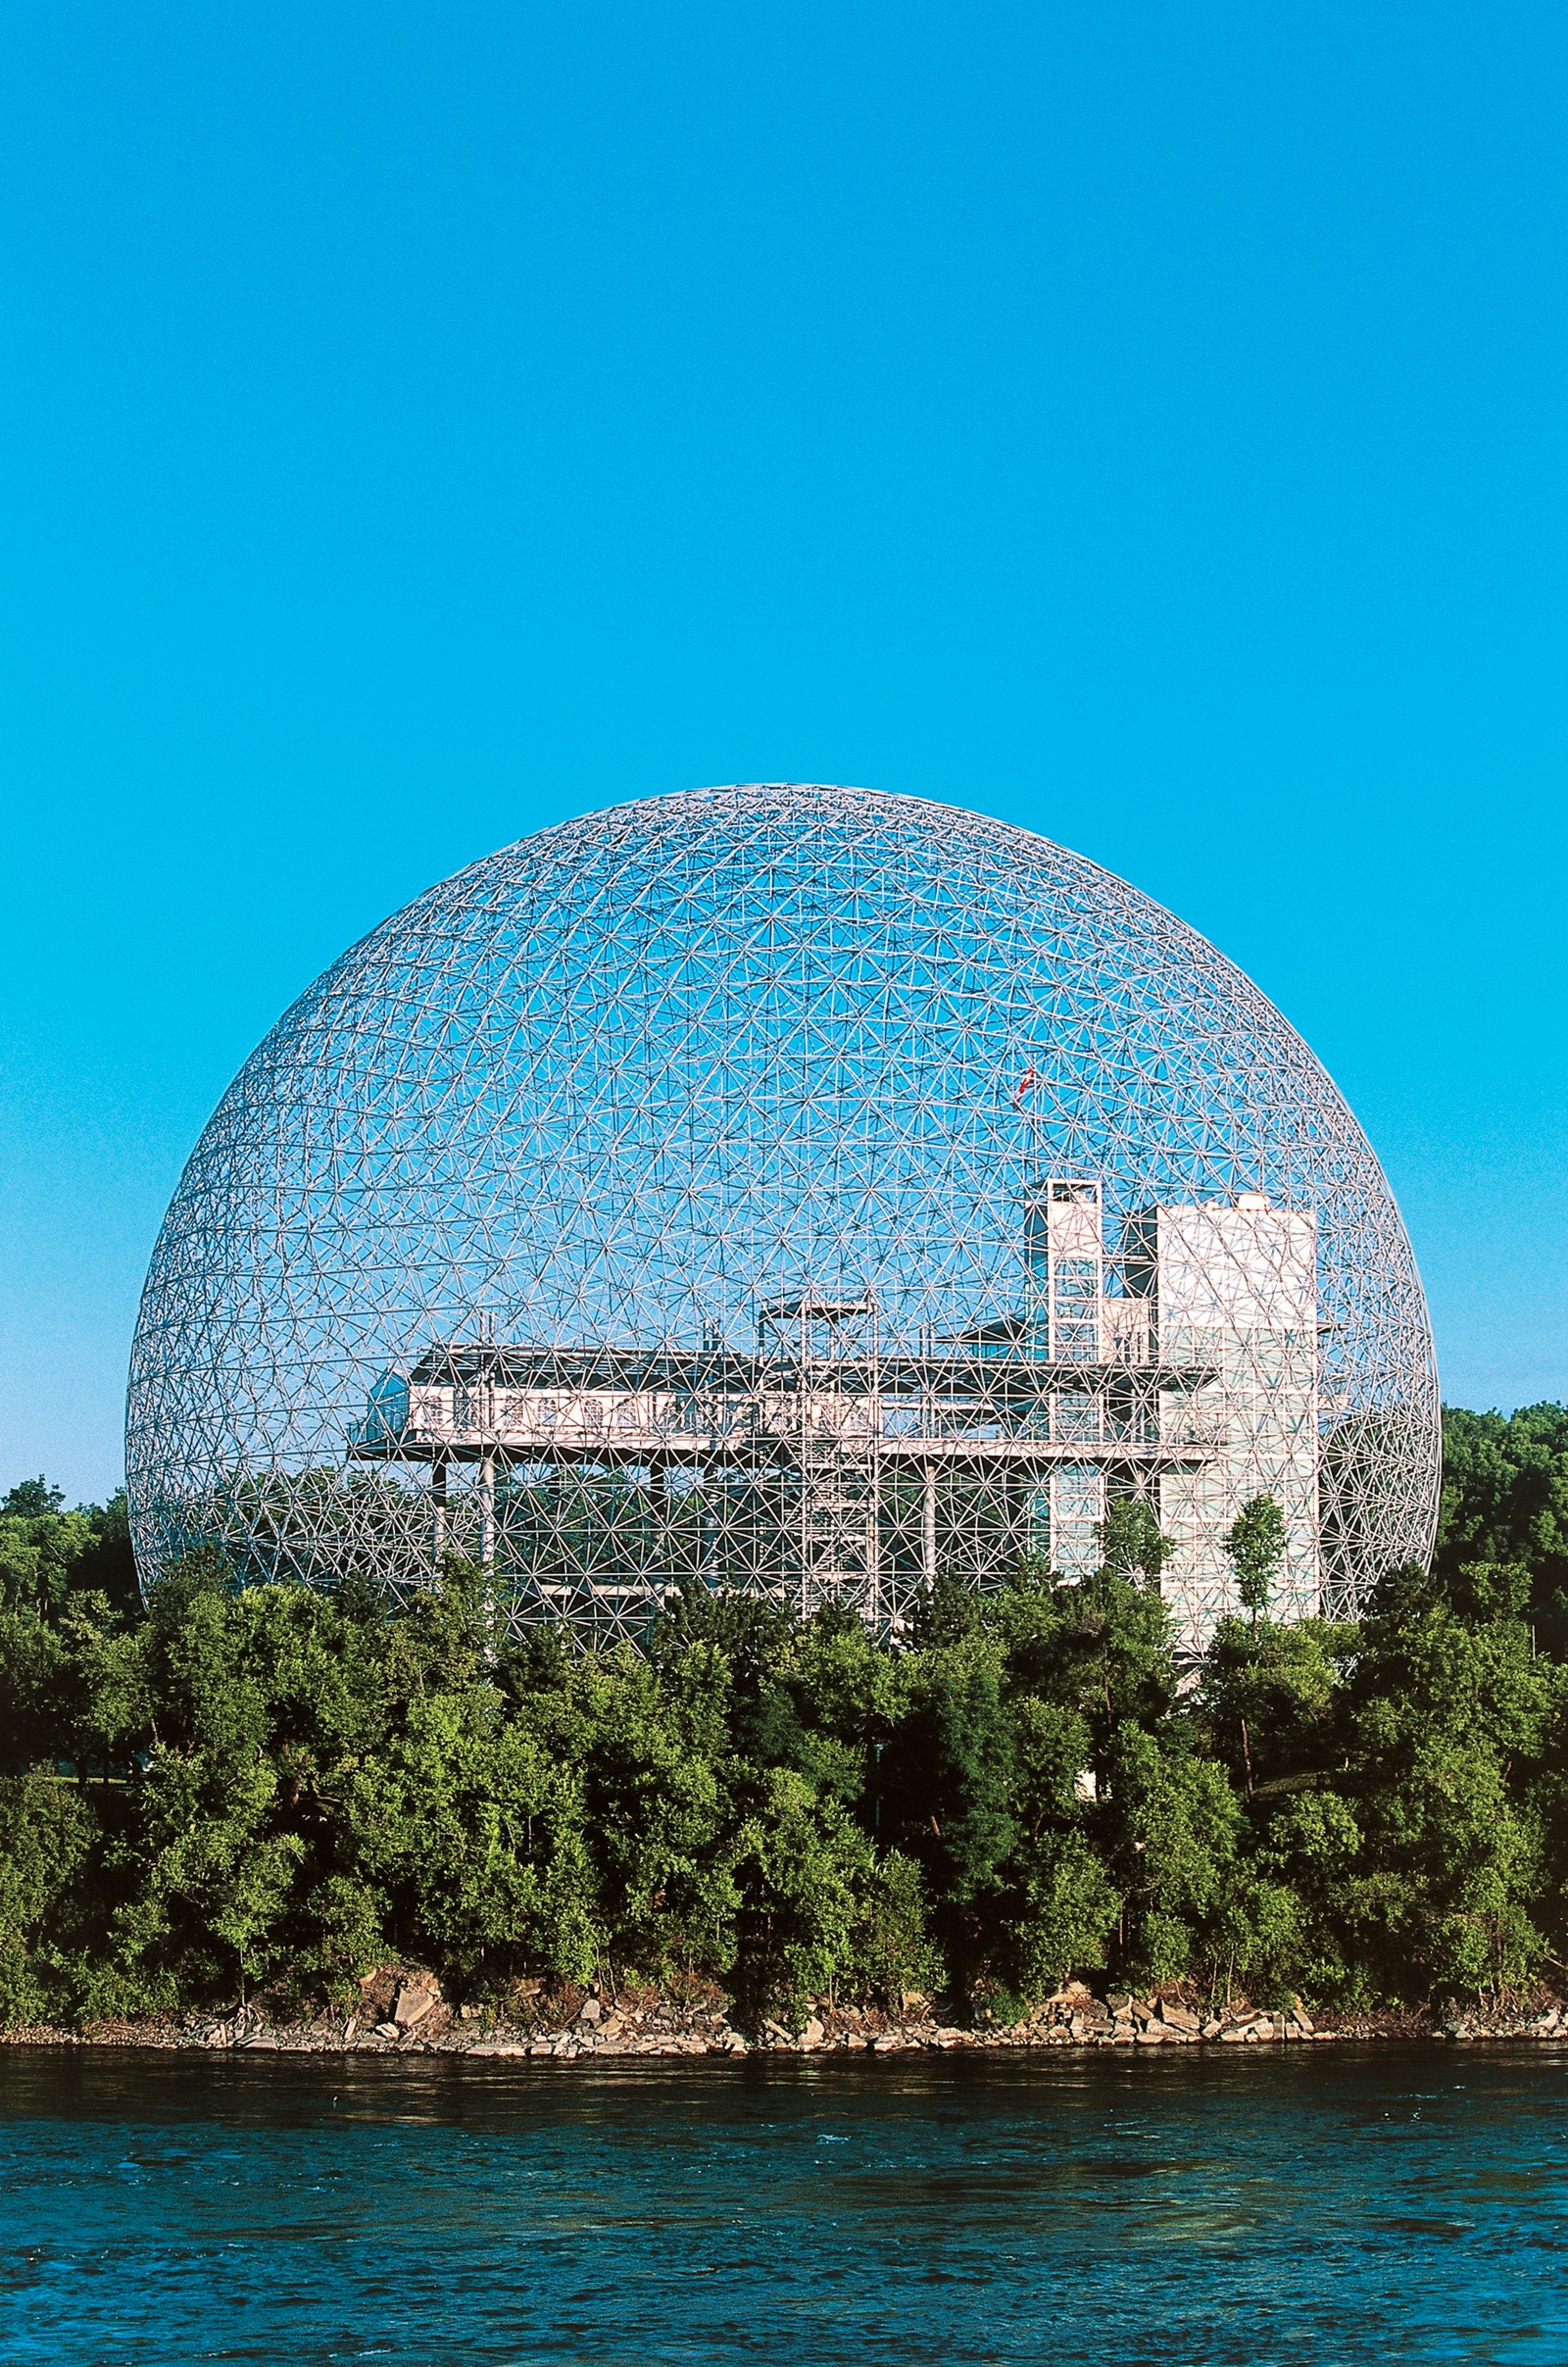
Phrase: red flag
(1031, 1077)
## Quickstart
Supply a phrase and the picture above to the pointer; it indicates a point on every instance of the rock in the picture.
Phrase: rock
(415, 1999)
(591, 2011)
(1150, 2035)
(1211, 2029)
(813, 2034)
(387, 2030)
(1118, 2000)
(776, 2029)
(1180, 2017)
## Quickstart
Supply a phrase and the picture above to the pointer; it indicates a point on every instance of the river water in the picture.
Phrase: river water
(1309, 2205)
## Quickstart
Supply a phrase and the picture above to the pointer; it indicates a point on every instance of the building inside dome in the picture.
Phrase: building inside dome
(792, 1188)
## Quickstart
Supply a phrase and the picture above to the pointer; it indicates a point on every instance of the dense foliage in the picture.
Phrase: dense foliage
(1505, 1499)
(273, 1784)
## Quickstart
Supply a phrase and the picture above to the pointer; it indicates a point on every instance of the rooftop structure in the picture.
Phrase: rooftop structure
(797, 1188)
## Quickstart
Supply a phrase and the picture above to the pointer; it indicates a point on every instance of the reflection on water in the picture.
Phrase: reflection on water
(1299, 2209)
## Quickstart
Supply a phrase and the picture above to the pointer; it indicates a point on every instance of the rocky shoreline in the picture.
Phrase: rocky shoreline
(403, 2011)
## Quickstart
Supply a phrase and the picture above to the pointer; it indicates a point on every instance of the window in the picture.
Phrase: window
(1077, 1414)
(1076, 1295)
(1075, 1513)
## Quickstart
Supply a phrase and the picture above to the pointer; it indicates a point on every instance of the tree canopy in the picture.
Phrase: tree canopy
(238, 1785)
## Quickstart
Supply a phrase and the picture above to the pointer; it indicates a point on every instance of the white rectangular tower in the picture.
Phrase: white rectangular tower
(1233, 1288)
(1067, 1326)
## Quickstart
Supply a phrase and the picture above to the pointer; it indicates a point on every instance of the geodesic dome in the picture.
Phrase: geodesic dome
(793, 1187)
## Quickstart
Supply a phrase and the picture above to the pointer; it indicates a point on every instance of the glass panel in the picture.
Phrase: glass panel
(1077, 1414)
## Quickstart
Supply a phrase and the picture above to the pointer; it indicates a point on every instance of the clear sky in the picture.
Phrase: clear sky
(418, 424)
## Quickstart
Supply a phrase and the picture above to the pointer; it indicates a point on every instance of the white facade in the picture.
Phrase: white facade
(1233, 1289)
(1224, 1296)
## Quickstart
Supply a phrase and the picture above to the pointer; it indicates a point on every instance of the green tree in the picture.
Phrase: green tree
(1255, 1544)
(1268, 1700)
(1176, 1835)
(947, 1777)
(47, 1554)
(1448, 1723)
(650, 1756)
(46, 1839)
(39, 1552)
(1130, 1541)
(31, 1500)
(801, 1872)
(892, 1950)
(1505, 1500)
(35, 1664)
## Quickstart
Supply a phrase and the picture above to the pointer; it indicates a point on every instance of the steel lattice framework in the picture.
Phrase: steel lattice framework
(793, 1187)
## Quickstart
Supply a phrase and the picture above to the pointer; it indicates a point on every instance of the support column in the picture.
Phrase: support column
(708, 1474)
(487, 1541)
(487, 1512)
(928, 1525)
(661, 1507)
(438, 1510)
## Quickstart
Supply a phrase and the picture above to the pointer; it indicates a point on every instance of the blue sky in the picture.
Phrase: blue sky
(416, 425)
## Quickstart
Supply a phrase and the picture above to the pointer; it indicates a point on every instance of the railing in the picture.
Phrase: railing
(828, 1424)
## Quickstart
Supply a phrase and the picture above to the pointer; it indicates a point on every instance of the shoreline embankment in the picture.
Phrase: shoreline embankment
(404, 2012)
